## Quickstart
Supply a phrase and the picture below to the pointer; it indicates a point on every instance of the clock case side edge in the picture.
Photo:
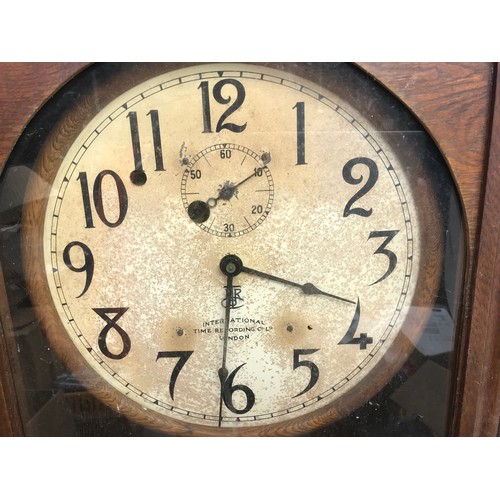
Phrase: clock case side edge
(479, 393)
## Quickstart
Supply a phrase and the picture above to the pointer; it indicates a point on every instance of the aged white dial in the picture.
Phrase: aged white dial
(229, 249)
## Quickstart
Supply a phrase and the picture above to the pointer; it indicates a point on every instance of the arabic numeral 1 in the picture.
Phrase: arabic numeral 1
(301, 133)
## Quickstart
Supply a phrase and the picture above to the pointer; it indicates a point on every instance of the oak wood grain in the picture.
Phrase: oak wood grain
(453, 101)
(10, 421)
(24, 88)
(480, 414)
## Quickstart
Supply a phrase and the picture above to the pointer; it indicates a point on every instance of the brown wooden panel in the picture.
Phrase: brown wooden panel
(10, 423)
(453, 101)
(481, 398)
(24, 87)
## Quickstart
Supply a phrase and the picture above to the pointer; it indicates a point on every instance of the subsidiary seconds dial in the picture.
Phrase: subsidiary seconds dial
(228, 189)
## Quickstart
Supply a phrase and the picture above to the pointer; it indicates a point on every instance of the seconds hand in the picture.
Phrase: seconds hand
(227, 192)
(199, 211)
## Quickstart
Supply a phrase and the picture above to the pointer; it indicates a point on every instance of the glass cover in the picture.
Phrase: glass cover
(338, 116)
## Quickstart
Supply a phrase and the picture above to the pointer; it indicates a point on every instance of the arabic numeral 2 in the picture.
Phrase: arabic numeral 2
(369, 183)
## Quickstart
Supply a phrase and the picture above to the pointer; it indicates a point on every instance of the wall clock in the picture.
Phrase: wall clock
(232, 249)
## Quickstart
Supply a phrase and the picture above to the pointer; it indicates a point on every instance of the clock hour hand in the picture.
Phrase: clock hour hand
(307, 288)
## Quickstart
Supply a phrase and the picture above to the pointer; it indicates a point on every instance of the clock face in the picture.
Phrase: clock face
(227, 248)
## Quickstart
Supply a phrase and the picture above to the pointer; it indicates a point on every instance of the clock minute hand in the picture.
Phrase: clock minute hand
(229, 265)
(223, 371)
(307, 288)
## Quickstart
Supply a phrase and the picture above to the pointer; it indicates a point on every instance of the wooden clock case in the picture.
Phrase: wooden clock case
(459, 104)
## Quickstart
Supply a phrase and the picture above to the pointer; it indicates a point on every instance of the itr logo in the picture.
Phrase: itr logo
(235, 302)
